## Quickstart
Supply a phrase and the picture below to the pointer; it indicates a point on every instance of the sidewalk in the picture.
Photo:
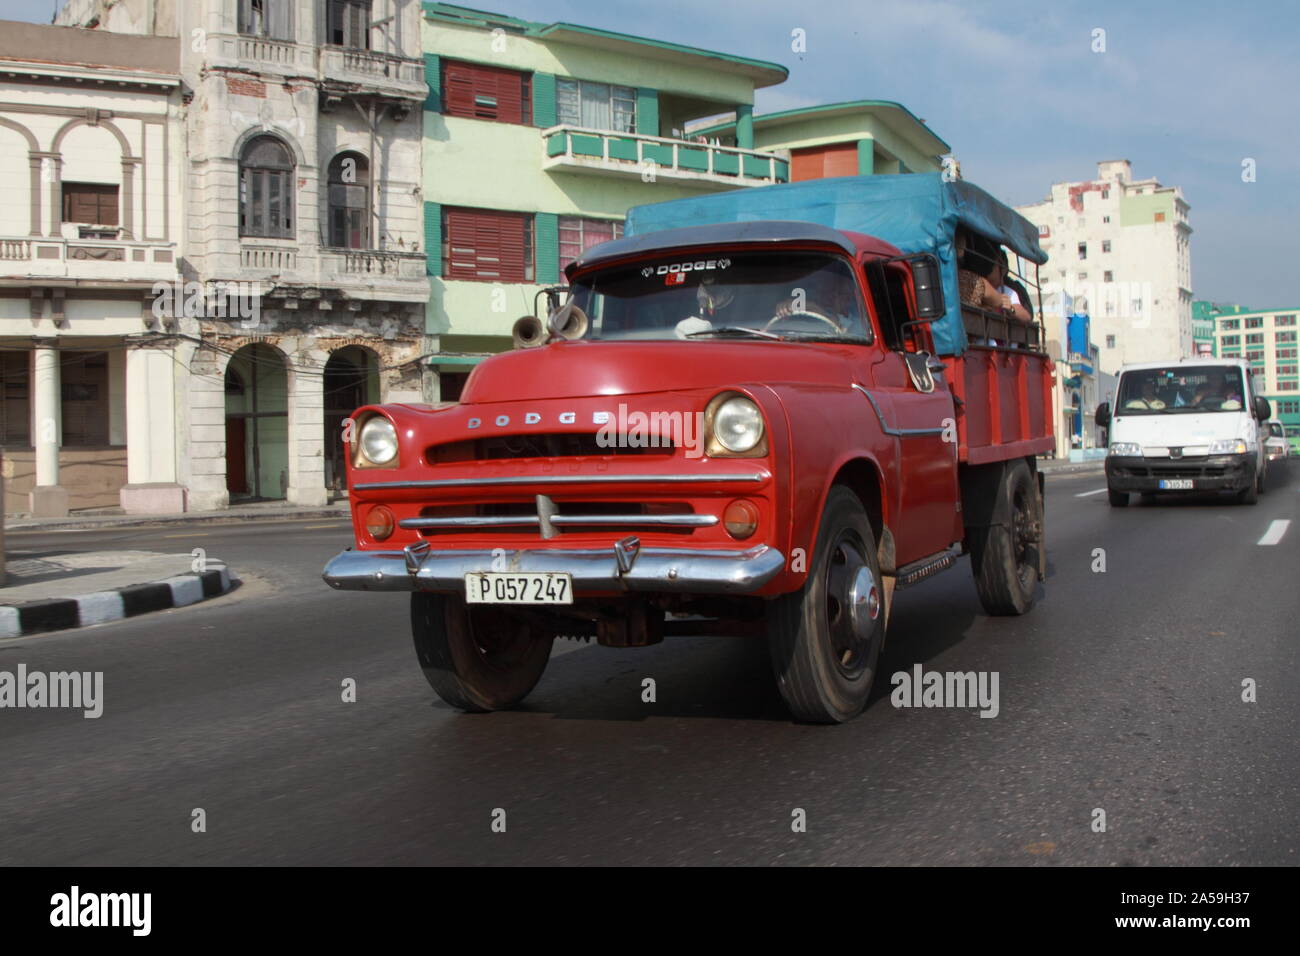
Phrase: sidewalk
(53, 590)
(262, 511)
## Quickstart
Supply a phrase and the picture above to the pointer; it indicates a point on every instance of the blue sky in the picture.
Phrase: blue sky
(1185, 91)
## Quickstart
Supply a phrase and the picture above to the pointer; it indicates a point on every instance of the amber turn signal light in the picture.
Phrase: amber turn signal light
(379, 523)
(740, 519)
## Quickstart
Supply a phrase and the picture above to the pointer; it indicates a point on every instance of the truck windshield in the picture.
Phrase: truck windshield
(808, 296)
(1178, 389)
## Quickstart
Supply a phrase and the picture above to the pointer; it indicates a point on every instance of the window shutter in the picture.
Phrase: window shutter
(433, 238)
(487, 245)
(544, 102)
(433, 78)
(485, 92)
(647, 112)
(546, 232)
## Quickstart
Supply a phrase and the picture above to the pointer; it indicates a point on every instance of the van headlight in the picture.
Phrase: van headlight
(378, 443)
(733, 426)
(1126, 449)
(1229, 446)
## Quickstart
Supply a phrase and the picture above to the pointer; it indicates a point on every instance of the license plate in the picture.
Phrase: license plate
(518, 587)
(1176, 484)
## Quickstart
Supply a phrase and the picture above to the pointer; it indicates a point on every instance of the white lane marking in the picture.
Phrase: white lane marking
(1088, 493)
(1275, 531)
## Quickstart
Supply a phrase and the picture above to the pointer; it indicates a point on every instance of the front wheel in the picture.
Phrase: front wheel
(1118, 499)
(1005, 555)
(825, 639)
(1250, 494)
(478, 659)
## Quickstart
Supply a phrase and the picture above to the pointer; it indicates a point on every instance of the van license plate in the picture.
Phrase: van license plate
(518, 587)
(1176, 484)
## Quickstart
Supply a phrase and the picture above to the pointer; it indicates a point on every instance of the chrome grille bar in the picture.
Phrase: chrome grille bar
(499, 482)
(526, 521)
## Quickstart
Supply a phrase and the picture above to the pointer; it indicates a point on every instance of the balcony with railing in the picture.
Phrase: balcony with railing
(121, 260)
(631, 154)
(383, 273)
(386, 73)
(267, 257)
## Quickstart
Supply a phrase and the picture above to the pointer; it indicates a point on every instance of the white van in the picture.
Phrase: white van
(1191, 425)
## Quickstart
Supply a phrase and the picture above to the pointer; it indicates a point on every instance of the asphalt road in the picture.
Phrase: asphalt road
(1121, 691)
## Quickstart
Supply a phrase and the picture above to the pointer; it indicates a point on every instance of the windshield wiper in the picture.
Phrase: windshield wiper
(735, 330)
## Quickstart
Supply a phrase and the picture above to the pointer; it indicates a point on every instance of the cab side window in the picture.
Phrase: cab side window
(889, 296)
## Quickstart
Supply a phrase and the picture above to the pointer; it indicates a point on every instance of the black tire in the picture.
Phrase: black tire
(824, 665)
(1118, 499)
(1261, 480)
(477, 659)
(1003, 555)
(1249, 495)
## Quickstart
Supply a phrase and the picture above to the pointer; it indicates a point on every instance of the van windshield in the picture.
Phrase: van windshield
(1179, 388)
(805, 296)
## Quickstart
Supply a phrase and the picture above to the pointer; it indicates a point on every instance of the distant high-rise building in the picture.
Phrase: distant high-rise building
(1124, 246)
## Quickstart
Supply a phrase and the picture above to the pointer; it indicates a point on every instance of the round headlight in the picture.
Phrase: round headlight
(379, 440)
(738, 425)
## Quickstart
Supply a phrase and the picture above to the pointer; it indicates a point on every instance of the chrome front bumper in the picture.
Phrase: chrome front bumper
(676, 570)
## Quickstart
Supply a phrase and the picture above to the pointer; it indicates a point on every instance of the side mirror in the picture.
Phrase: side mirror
(1263, 411)
(929, 288)
(1102, 418)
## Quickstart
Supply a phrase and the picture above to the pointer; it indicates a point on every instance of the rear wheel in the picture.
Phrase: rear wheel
(825, 639)
(477, 659)
(1004, 556)
(1118, 499)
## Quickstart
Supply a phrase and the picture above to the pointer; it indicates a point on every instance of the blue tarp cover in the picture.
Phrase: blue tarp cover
(917, 212)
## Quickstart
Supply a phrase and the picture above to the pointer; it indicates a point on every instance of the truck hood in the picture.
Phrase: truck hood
(1182, 429)
(583, 369)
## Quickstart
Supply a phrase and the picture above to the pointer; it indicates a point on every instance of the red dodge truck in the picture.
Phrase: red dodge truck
(731, 428)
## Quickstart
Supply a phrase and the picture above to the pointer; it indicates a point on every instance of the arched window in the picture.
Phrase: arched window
(349, 201)
(266, 189)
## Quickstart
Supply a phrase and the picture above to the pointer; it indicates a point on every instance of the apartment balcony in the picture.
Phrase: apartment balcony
(628, 155)
(237, 51)
(110, 260)
(267, 258)
(376, 273)
(399, 77)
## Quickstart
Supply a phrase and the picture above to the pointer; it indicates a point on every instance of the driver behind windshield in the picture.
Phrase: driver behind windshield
(822, 295)
(1149, 398)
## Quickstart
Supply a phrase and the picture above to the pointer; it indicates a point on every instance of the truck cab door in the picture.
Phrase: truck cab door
(907, 389)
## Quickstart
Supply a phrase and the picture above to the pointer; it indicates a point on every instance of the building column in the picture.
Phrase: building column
(48, 498)
(207, 432)
(745, 126)
(151, 486)
(56, 197)
(866, 156)
(307, 430)
(128, 197)
(34, 159)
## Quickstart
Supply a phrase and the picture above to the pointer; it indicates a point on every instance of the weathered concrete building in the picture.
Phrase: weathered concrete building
(304, 278)
(90, 221)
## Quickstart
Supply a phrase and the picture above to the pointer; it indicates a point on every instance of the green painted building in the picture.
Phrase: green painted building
(537, 139)
(1267, 338)
(857, 138)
